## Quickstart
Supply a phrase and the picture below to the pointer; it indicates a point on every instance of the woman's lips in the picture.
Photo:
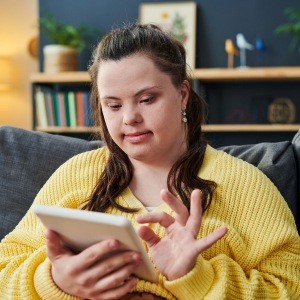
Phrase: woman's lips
(137, 137)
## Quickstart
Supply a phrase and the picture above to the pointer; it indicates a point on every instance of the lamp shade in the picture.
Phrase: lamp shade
(5, 74)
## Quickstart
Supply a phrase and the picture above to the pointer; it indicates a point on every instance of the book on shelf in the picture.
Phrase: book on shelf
(88, 117)
(56, 109)
(80, 108)
(72, 109)
(41, 110)
(63, 109)
(50, 109)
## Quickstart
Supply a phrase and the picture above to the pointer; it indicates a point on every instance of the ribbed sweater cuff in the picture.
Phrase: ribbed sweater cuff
(195, 284)
(45, 286)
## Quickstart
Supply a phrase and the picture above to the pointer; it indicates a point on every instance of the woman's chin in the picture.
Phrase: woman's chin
(140, 154)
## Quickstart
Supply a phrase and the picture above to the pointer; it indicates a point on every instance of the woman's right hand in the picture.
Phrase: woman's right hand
(85, 275)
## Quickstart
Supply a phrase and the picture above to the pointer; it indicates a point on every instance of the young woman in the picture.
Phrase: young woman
(218, 228)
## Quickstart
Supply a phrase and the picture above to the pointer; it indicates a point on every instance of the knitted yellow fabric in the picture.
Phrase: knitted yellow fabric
(259, 258)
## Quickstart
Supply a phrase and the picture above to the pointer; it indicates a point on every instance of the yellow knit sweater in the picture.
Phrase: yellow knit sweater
(259, 258)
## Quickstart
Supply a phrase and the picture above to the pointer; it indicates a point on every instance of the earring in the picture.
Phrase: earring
(184, 119)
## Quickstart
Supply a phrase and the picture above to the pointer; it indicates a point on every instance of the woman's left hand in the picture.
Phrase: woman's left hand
(175, 255)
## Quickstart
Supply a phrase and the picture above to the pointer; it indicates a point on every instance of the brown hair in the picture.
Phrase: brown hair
(169, 57)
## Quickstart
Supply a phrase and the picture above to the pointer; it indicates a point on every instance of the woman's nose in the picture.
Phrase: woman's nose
(132, 116)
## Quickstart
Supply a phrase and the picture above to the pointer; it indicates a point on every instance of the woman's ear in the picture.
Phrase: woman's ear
(185, 93)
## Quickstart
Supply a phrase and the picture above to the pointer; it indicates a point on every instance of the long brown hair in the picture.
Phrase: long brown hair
(169, 57)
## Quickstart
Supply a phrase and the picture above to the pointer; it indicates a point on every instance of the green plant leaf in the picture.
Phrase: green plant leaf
(294, 44)
(285, 28)
(294, 14)
(67, 34)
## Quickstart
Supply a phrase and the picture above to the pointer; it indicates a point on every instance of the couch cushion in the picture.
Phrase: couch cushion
(27, 160)
(277, 161)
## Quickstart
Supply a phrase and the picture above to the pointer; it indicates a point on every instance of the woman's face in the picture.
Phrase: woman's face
(142, 109)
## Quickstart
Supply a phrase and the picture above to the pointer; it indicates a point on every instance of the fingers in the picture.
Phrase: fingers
(54, 248)
(109, 265)
(94, 253)
(160, 217)
(120, 291)
(117, 278)
(180, 210)
(148, 235)
(194, 222)
(209, 240)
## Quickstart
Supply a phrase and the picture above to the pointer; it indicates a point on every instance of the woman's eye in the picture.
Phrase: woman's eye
(114, 107)
(148, 100)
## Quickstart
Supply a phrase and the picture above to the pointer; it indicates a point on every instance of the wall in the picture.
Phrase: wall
(17, 26)
(217, 20)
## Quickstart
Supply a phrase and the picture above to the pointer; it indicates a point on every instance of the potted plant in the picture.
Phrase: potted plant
(292, 28)
(68, 42)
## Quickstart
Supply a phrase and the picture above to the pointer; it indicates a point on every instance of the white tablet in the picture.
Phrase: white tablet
(79, 229)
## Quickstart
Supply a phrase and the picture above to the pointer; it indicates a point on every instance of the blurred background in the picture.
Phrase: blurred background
(231, 102)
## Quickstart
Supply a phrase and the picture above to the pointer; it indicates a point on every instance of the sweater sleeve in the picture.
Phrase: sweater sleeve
(259, 258)
(25, 270)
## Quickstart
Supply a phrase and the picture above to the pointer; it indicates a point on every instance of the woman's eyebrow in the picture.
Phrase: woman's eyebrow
(138, 93)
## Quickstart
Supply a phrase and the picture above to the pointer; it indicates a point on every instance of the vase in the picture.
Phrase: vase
(58, 58)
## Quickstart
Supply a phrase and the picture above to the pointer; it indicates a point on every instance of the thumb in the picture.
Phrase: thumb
(54, 247)
(206, 242)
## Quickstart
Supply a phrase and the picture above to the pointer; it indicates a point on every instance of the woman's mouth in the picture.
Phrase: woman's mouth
(136, 137)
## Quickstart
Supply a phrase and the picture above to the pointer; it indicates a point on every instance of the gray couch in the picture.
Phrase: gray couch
(27, 160)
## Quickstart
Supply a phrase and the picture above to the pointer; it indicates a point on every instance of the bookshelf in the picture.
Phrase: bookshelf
(203, 75)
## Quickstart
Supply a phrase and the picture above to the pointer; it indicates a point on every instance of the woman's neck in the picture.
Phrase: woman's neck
(146, 184)
(150, 177)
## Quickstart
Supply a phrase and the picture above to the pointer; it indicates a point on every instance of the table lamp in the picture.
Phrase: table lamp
(5, 74)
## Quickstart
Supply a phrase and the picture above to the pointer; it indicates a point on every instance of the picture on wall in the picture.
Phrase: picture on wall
(178, 19)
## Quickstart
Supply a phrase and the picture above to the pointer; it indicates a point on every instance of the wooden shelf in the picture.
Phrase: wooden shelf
(205, 75)
(206, 128)
(63, 77)
(250, 127)
(250, 74)
(65, 129)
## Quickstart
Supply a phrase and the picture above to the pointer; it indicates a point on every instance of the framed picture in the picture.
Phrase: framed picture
(176, 18)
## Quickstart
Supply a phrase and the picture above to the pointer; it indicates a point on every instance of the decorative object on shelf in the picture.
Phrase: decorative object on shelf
(179, 19)
(261, 48)
(292, 28)
(33, 47)
(243, 45)
(68, 40)
(5, 74)
(231, 50)
(59, 58)
(282, 111)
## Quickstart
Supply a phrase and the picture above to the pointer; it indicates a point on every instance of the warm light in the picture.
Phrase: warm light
(5, 74)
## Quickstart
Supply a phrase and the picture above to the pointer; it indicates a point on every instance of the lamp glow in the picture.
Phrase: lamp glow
(5, 74)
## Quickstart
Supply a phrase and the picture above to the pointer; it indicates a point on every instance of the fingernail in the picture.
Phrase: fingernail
(135, 256)
(113, 245)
